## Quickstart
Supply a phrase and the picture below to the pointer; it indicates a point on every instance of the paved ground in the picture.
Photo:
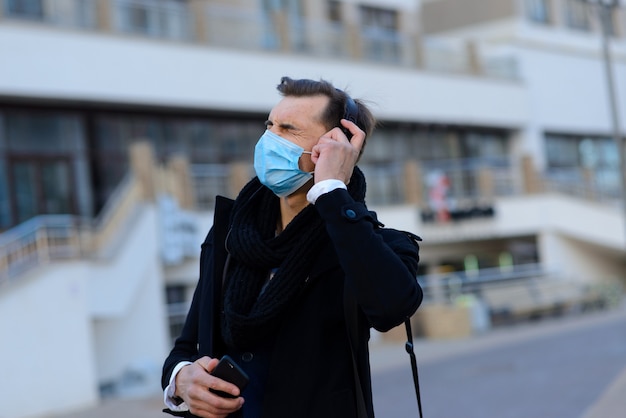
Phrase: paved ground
(570, 368)
(573, 367)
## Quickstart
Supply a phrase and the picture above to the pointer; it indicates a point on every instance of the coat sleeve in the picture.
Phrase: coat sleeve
(380, 264)
(186, 345)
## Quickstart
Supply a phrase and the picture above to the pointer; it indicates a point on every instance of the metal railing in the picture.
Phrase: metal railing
(209, 181)
(515, 292)
(231, 27)
(47, 238)
(320, 38)
(166, 19)
(596, 185)
(387, 46)
(254, 29)
(39, 240)
(65, 13)
(469, 180)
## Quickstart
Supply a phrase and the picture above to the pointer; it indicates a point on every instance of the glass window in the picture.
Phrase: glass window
(375, 17)
(169, 19)
(334, 10)
(562, 151)
(176, 296)
(29, 9)
(25, 191)
(538, 11)
(380, 35)
(485, 145)
(577, 14)
(33, 132)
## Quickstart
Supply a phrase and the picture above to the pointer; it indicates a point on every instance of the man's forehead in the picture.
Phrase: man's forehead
(292, 109)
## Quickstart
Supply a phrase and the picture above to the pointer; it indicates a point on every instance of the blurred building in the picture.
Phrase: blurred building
(120, 120)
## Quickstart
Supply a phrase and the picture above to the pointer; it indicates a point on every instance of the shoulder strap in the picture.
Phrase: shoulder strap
(409, 349)
(351, 313)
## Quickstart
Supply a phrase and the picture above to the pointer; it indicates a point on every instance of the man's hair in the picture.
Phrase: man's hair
(336, 106)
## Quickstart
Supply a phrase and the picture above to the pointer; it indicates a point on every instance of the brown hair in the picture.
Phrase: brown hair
(336, 106)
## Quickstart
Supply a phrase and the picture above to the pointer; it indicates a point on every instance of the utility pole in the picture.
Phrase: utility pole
(605, 10)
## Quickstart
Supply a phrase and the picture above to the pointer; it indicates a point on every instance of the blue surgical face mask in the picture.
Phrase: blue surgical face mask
(276, 164)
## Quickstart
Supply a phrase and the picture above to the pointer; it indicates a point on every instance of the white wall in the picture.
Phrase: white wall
(583, 240)
(46, 354)
(527, 215)
(565, 75)
(569, 91)
(49, 63)
(577, 260)
(127, 303)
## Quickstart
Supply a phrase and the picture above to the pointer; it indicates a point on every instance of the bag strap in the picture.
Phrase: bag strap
(351, 313)
(410, 349)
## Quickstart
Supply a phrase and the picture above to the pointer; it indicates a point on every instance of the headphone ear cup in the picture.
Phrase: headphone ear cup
(350, 113)
(347, 133)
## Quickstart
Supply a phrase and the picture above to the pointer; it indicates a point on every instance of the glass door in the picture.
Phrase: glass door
(41, 186)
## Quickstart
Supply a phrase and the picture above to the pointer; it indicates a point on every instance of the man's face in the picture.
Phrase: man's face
(298, 119)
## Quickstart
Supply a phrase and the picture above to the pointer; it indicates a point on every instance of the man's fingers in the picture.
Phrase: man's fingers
(358, 136)
(207, 363)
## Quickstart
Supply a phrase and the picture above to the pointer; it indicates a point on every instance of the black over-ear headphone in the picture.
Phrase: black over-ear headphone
(350, 112)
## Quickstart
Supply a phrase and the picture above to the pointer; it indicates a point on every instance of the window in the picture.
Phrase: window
(538, 11)
(44, 164)
(334, 11)
(575, 162)
(562, 151)
(29, 9)
(577, 14)
(177, 306)
(169, 19)
(379, 31)
(374, 17)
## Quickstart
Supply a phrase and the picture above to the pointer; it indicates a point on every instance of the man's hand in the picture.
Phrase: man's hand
(335, 155)
(193, 383)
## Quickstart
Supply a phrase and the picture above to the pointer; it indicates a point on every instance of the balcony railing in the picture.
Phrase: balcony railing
(512, 293)
(37, 241)
(601, 185)
(47, 238)
(320, 38)
(209, 181)
(379, 45)
(254, 29)
(65, 13)
(243, 29)
(470, 181)
(166, 19)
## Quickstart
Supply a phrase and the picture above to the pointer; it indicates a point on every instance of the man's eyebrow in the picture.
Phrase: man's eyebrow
(282, 125)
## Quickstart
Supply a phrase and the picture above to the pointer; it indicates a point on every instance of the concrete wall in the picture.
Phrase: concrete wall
(127, 303)
(68, 327)
(46, 355)
(58, 64)
(582, 240)
(578, 260)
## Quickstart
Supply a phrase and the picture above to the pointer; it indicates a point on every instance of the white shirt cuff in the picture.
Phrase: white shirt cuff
(323, 187)
(169, 392)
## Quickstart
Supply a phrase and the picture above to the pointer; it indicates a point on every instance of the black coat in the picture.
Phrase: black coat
(312, 367)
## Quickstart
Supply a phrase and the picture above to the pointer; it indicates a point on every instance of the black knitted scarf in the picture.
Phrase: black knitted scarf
(252, 304)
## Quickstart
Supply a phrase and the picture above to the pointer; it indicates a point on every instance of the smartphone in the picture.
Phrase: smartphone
(230, 371)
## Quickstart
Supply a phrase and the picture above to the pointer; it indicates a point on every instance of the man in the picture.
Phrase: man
(287, 265)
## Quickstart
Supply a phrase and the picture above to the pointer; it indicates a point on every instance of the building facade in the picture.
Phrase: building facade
(121, 120)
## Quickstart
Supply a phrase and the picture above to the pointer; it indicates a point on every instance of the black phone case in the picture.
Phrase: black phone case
(230, 371)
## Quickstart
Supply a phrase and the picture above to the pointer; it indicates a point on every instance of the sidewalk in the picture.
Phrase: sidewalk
(385, 354)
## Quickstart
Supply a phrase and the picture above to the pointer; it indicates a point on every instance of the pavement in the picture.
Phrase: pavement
(385, 355)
